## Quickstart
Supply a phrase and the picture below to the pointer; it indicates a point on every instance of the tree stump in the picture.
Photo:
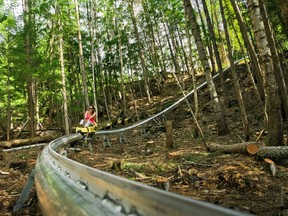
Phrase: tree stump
(162, 183)
(149, 148)
(169, 134)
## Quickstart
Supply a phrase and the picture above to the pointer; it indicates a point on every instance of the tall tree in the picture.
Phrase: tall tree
(9, 111)
(118, 30)
(220, 119)
(61, 58)
(216, 51)
(28, 25)
(206, 36)
(249, 47)
(279, 73)
(272, 104)
(81, 57)
(140, 50)
(234, 75)
(92, 8)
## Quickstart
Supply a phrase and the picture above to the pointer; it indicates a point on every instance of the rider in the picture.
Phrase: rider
(89, 118)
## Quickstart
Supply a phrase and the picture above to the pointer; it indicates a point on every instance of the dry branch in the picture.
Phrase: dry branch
(243, 148)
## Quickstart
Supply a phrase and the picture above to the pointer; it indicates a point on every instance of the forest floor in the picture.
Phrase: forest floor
(236, 181)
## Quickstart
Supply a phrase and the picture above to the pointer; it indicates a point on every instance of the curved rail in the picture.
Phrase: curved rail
(66, 187)
(174, 105)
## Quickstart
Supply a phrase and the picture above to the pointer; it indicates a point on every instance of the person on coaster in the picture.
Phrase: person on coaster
(89, 117)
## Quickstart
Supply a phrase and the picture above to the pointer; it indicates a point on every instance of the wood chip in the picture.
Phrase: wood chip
(4, 173)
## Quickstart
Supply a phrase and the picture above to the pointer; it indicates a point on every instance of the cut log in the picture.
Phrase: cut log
(278, 154)
(28, 141)
(243, 148)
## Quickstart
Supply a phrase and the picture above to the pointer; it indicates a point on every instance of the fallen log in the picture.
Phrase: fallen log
(250, 148)
(24, 147)
(278, 154)
(28, 141)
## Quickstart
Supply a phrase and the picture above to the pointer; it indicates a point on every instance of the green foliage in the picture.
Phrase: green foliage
(112, 25)
(277, 23)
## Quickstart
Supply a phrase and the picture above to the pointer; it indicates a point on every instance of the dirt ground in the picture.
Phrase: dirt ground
(236, 181)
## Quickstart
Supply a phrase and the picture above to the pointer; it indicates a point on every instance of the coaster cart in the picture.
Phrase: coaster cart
(87, 134)
(86, 130)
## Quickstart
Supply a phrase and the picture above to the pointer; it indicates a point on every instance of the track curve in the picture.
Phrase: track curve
(67, 187)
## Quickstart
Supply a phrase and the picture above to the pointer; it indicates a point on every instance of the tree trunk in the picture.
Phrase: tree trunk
(272, 104)
(81, 58)
(276, 59)
(140, 50)
(185, 57)
(249, 46)
(120, 55)
(193, 74)
(234, 75)
(64, 93)
(154, 49)
(207, 42)
(216, 51)
(9, 111)
(100, 78)
(220, 119)
(250, 148)
(28, 47)
(92, 13)
(170, 45)
(162, 58)
(248, 67)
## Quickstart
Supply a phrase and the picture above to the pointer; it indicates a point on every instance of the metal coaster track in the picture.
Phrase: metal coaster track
(67, 187)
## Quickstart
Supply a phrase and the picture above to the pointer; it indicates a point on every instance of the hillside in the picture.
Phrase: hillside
(235, 181)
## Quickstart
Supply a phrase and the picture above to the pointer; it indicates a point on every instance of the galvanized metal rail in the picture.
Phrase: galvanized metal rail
(67, 187)
(173, 106)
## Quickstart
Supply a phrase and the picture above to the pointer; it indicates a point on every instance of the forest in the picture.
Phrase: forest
(60, 57)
